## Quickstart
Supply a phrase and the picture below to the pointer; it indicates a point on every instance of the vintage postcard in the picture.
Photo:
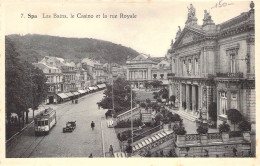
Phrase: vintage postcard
(129, 82)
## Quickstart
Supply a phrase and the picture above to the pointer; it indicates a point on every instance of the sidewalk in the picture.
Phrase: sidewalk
(110, 138)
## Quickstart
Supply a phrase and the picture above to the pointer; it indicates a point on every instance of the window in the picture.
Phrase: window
(49, 70)
(154, 76)
(46, 122)
(232, 63)
(189, 66)
(183, 67)
(223, 103)
(233, 100)
(196, 67)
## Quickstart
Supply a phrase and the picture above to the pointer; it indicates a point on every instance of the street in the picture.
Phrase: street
(80, 143)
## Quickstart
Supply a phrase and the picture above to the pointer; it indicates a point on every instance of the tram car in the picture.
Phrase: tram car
(44, 121)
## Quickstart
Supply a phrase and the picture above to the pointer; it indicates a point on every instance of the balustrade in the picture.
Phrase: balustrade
(230, 75)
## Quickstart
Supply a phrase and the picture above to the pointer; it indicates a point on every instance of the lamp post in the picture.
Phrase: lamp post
(132, 133)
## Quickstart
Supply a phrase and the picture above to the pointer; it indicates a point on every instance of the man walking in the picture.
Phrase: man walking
(111, 151)
(92, 125)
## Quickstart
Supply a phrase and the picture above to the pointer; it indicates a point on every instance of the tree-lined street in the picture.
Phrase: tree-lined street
(80, 143)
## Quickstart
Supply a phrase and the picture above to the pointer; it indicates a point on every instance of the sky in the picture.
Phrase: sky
(151, 32)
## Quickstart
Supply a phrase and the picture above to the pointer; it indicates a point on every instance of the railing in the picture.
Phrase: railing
(214, 136)
(230, 75)
(233, 134)
(192, 137)
(156, 143)
(171, 74)
(146, 133)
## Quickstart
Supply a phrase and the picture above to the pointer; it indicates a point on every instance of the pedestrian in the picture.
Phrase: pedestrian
(235, 152)
(72, 101)
(92, 125)
(111, 151)
(90, 156)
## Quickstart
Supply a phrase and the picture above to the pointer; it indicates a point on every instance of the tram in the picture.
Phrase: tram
(44, 121)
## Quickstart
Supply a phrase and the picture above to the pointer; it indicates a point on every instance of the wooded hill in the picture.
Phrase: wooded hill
(37, 46)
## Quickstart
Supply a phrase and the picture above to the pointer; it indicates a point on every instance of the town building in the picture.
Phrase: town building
(118, 71)
(214, 63)
(54, 81)
(145, 68)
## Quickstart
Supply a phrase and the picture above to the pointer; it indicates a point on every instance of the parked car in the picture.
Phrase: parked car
(70, 126)
(109, 113)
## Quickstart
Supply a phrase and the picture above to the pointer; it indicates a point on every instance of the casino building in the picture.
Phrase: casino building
(214, 63)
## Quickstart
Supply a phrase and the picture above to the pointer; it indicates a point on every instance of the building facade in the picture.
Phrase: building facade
(54, 81)
(144, 68)
(214, 63)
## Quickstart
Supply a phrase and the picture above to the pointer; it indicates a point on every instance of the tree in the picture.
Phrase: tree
(25, 84)
(38, 87)
(234, 116)
(244, 125)
(122, 96)
(213, 111)
(224, 127)
(156, 83)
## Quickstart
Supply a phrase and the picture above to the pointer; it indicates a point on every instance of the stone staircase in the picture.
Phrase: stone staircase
(127, 115)
(184, 114)
(153, 141)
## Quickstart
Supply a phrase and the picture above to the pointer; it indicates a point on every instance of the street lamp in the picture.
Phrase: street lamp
(132, 133)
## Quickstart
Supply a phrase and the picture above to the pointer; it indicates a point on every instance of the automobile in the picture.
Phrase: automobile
(109, 113)
(70, 126)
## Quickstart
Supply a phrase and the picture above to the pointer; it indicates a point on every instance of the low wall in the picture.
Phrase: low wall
(213, 145)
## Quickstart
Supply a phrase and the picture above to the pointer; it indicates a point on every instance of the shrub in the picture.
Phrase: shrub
(244, 125)
(234, 116)
(224, 127)
(165, 120)
(148, 101)
(180, 130)
(159, 100)
(143, 105)
(165, 96)
(175, 118)
(202, 130)
(126, 124)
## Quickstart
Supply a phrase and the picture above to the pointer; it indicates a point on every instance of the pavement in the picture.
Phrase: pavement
(80, 143)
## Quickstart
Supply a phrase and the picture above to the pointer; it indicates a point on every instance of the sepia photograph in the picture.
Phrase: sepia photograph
(129, 79)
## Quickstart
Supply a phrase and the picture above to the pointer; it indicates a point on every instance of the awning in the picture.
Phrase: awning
(76, 93)
(62, 95)
(69, 94)
(91, 88)
(82, 91)
(101, 85)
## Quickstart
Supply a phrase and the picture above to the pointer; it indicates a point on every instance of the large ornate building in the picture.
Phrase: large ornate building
(145, 68)
(215, 63)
